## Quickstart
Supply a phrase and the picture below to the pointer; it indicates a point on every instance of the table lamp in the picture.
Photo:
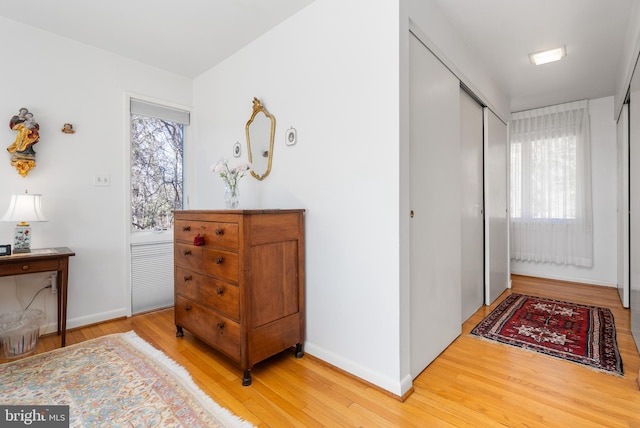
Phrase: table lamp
(24, 208)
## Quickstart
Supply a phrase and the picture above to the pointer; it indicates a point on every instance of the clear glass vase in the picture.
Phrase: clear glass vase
(231, 196)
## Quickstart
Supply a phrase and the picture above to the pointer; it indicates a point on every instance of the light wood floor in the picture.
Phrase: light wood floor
(473, 383)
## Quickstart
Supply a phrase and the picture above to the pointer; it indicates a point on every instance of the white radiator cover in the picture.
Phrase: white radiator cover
(151, 276)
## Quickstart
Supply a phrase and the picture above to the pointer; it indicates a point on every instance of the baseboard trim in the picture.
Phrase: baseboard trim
(96, 318)
(400, 389)
(355, 378)
(589, 281)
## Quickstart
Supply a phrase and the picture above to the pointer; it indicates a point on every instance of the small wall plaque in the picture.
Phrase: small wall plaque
(290, 137)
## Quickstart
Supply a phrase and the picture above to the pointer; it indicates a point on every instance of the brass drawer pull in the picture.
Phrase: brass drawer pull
(186, 228)
(220, 291)
(219, 232)
(25, 267)
(187, 278)
(219, 260)
(186, 252)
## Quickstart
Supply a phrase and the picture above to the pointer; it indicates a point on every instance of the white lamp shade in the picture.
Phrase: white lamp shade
(26, 207)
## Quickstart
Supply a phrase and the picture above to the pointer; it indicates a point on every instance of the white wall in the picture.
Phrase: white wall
(331, 71)
(334, 72)
(439, 36)
(629, 57)
(337, 72)
(63, 81)
(604, 185)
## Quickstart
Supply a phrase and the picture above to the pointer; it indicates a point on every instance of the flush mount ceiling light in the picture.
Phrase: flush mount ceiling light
(543, 57)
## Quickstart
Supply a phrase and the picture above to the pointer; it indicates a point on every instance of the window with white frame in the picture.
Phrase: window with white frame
(551, 210)
(157, 141)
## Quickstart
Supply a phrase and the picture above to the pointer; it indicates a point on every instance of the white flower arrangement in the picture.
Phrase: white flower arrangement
(230, 175)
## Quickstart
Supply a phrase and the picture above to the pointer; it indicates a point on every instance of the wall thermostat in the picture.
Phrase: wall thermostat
(5, 250)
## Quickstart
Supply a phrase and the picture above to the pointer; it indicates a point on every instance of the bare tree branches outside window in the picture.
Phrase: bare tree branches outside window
(156, 172)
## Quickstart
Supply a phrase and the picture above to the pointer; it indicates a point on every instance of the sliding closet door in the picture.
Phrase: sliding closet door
(634, 204)
(435, 204)
(623, 205)
(496, 213)
(471, 145)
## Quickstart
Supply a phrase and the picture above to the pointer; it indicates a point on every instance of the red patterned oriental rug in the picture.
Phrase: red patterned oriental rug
(578, 333)
(117, 380)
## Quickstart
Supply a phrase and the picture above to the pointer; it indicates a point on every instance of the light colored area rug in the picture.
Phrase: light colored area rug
(114, 380)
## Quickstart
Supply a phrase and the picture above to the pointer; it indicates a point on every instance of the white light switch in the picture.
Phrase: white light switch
(101, 180)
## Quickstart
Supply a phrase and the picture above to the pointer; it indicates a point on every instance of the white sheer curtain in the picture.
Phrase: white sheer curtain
(551, 210)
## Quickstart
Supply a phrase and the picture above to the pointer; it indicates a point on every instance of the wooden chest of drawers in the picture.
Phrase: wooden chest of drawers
(239, 281)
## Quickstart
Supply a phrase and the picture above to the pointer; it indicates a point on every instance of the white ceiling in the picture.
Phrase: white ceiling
(504, 32)
(188, 37)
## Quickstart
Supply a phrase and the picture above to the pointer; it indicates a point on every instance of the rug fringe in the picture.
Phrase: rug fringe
(532, 351)
(224, 416)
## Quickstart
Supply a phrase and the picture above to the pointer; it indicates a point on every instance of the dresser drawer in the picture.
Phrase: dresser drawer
(215, 234)
(26, 266)
(221, 264)
(208, 291)
(213, 328)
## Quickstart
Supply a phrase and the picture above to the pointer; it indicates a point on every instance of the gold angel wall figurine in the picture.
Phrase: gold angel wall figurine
(23, 157)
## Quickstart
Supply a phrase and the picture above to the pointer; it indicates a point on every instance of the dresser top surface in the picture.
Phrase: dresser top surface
(252, 212)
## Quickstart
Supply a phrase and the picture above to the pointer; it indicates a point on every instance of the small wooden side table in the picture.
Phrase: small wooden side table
(44, 260)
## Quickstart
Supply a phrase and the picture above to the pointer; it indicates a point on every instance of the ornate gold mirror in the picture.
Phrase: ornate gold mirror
(260, 131)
